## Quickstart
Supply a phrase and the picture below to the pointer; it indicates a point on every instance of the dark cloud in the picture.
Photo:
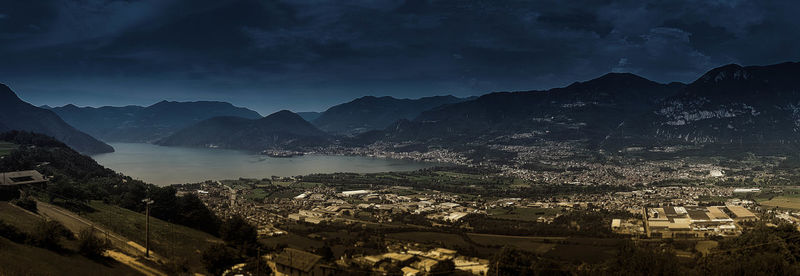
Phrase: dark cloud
(310, 54)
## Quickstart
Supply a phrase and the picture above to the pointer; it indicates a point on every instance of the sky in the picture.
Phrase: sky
(307, 55)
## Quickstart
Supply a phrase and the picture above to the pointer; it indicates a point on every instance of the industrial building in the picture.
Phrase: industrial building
(695, 221)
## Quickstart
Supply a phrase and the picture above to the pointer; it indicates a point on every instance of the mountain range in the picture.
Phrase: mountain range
(16, 114)
(145, 124)
(727, 105)
(581, 111)
(280, 130)
(731, 104)
(374, 113)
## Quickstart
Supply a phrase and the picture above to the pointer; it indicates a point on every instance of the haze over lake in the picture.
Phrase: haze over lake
(173, 165)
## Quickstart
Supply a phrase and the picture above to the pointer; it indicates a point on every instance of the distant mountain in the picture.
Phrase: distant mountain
(146, 124)
(729, 104)
(16, 114)
(309, 116)
(372, 113)
(280, 130)
(581, 111)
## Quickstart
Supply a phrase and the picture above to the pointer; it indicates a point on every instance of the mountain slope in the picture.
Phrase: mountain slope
(371, 113)
(730, 104)
(146, 124)
(16, 114)
(310, 115)
(583, 110)
(280, 130)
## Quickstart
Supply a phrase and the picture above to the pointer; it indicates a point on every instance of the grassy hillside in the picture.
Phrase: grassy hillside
(179, 244)
(16, 258)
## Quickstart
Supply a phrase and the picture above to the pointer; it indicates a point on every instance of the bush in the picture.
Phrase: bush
(90, 245)
(12, 233)
(48, 234)
(27, 203)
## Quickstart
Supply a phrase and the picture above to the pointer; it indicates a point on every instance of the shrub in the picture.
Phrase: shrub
(90, 245)
(27, 203)
(12, 233)
(48, 234)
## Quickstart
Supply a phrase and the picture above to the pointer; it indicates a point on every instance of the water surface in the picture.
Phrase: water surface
(170, 165)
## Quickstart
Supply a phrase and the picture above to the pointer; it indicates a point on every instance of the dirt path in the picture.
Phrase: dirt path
(133, 263)
(129, 249)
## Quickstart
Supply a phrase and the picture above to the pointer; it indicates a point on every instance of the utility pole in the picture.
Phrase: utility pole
(147, 202)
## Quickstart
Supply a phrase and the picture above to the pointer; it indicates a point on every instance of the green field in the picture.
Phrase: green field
(532, 244)
(524, 214)
(443, 239)
(789, 202)
(6, 148)
(292, 240)
(566, 248)
(174, 242)
(257, 195)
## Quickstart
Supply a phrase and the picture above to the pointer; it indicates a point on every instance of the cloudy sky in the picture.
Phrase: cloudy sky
(306, 55)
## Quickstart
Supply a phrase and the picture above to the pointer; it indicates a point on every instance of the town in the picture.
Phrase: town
(301, 213)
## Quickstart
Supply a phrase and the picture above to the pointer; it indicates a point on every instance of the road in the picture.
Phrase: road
(129, 249)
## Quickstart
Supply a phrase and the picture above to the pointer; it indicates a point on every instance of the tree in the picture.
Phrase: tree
(445, 267)
(326, 252)
(193, 213)
(219, 257)
(237, 233)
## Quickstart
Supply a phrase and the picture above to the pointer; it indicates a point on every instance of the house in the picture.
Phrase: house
(407, 271)
(294, 262)
(12, 182)
(444, 253)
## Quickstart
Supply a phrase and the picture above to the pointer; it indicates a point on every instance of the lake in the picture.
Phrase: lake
(173, 165)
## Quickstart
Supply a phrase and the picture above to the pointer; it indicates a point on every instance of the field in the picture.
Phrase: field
(573, 249)
(6, 147)
(17, 217)
(15, 258)
(788, 202)
(257, 195)
(533, 244)
(443, 239)
(174, 242)
(524, 214)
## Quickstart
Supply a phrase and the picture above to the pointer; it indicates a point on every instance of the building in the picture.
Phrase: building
(408, 271)
(615, 224)
(741, 214)
(12, 182)
(690, 222)
(746, 190)
(294, 262)
(355, 193)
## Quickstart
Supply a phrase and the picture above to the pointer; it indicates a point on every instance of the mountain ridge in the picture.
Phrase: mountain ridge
(134, 123)
(280, 130)
(19, 115)
(372, 113)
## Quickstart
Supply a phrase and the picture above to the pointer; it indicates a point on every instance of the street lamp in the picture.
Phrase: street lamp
(147, 202)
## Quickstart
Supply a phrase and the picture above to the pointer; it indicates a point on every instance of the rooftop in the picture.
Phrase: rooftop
(297, 259)
(21, 177)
